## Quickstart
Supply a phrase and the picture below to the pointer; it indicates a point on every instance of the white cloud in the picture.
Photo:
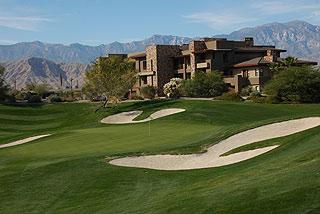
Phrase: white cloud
(127, 40)
(8, 42)
(29, 23)
(217, 20)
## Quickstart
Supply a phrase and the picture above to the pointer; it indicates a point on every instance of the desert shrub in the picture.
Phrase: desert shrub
(34, 99)
(255, 94)
(67, 98)
(257, 99)
(205, 84)
(135, 97)
(246, 91)
(149, 92)
(23, 95)
(272, 99)
(230, 97)
(172, 88)
(77, 95)
(9, 99)
(55, 99)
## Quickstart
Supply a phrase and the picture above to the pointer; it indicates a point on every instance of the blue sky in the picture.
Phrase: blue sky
(95, 22)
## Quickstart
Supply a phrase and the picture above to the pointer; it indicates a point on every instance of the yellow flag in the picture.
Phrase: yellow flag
(151, 117)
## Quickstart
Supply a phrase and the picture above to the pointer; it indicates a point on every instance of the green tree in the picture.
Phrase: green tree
(30, 86)
(3, 86)
(111, 77)
(205, 84)
(41, 89)
(295, 84)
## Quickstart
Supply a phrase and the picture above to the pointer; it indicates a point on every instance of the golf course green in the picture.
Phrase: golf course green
(68, 172)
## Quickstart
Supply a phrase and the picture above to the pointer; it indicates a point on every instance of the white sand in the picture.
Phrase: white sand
(26, 140)
(212, 158)
(127, 117)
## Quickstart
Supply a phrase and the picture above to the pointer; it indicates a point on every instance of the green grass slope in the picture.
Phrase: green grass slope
(67, 172)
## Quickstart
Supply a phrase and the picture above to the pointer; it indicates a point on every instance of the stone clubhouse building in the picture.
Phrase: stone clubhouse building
(243, 63)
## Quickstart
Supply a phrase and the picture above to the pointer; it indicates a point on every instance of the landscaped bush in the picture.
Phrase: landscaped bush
(68, 98)
(9, 99)
(149, 92)
(272, 99)
(172, 88)
(135, 97)
(204, 84)
(55, 99)
(257, 99)
(255, 94)
(34, 99)
(23, 95)
(246, 91)
(230, 97)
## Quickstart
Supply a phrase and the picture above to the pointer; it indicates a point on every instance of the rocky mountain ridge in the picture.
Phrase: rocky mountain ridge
(40, 70)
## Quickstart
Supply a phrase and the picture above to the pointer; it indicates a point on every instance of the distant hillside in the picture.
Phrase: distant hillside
(39, 70)
(301, 39)
(80, 53)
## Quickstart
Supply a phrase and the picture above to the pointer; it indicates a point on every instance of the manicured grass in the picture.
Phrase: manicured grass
(67, 172)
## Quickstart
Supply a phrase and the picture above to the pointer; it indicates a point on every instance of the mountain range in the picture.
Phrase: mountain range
(42, 62)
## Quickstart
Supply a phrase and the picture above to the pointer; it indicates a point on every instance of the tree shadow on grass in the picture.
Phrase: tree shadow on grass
(33, 105)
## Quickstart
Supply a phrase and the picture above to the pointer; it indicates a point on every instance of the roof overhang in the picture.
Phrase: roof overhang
(138, 56)
(210, 50)
(181, 56)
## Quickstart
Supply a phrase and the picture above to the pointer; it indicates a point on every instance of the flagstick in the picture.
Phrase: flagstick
(149, 128)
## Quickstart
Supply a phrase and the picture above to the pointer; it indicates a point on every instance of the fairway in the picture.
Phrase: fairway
(68, 172)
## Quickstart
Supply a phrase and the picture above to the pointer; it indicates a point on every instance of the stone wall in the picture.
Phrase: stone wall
(197, 45)
(151, 52)
(162, 56)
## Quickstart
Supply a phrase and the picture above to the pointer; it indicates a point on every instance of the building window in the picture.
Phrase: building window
(261, 72)
(188, 61)
(245, 73)
(225, 57)
(256, 73)
(144, 80)
(144, 65)
(178, 63)
(188, 76)
(178, 75)
(202, 57)
(213, 55)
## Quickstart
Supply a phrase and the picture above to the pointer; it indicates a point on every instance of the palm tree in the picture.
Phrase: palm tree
(289, 61)
(275, 67)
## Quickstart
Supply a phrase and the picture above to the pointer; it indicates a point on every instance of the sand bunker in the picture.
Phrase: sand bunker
(212, 158)
(127, 117)
(18, 142)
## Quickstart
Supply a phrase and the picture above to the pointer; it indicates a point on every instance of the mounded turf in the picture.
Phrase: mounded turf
(67, 172)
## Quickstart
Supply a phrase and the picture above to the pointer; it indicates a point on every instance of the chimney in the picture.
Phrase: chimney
(248, 41)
